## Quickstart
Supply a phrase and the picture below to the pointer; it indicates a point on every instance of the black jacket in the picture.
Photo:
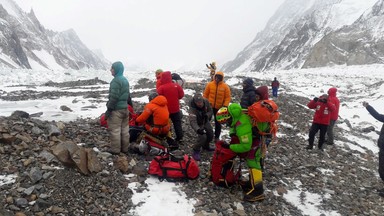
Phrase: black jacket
(379, 117)
(248, 97)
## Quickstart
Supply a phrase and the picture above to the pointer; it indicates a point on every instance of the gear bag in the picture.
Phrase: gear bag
(174, 167)
(264, 115)
(222, 166)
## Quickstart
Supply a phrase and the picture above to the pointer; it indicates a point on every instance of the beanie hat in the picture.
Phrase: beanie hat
(197, 98)
(159, 71)
(248, 81)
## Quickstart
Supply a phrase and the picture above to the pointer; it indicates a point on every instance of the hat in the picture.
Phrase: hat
(197, 98)
(159, 71)
(248, 82)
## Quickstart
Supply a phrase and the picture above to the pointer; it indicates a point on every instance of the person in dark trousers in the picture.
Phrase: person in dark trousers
(323, 109)
(249, 93)
(117, 114)
(334, 115)
(275, 87)
(200, 114)
(380, 142)
(173, 92)
(218, 93)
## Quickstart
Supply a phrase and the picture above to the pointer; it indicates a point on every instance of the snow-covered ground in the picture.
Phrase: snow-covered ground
(355, 84)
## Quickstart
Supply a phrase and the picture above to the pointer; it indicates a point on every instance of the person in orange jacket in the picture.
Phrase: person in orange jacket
(218, 94)
(155, 115)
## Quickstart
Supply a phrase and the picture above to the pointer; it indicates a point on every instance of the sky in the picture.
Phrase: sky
(167, 34)
(359, 79)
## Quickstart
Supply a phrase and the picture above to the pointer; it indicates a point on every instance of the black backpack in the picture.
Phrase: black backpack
(176, 76)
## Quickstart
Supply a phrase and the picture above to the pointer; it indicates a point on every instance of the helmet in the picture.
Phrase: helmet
(222, 115)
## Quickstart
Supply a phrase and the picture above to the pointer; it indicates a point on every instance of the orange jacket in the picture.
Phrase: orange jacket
(155, 116)
(218, 94)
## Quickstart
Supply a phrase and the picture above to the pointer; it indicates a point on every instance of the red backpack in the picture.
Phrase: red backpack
(264, 115)
(173, 168)
(222, 166)
(132, 118)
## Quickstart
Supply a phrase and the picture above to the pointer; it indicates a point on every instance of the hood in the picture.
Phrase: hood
(220, 73)
(166, 77)
(332, 92)
(159, 100)
(263, 92)
(118, 67)
(235, 110)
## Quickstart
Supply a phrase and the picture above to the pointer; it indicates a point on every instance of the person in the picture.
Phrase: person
(218, 94)
(176, 78)
(321, 119)
(173, 92)
(158, 73)
(155, 116)
(275, 87)
(212, 69)
(249, 93)
(200, 114)
(380, 142)
(334, 115)
(117, 114)
(242, 142)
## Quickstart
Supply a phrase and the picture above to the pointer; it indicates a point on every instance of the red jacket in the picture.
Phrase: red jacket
(323, 111)
(333, 99)
(172, 91)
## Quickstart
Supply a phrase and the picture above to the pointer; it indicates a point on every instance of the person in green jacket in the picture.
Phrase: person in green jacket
(242, 142)
(117, 114)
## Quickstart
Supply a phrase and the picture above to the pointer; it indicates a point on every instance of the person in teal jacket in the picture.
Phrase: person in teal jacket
(242, 142)
(117, 114)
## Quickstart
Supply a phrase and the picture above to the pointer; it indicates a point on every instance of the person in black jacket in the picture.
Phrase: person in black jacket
(200, 114)
(249, 94)
(380, 142)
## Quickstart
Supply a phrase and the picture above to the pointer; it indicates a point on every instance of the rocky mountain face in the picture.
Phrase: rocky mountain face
(25, 43)
(305, 34)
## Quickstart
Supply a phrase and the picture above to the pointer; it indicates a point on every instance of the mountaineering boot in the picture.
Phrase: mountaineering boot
(245, 185)
(309, 146)
(256, 190)
(196, 155)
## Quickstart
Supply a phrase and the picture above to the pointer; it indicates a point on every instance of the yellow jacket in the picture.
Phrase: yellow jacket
(218, 94)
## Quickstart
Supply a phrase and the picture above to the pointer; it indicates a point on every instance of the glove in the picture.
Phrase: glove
(225, 145)
(315, 99)
(108, 113)
(200, 131)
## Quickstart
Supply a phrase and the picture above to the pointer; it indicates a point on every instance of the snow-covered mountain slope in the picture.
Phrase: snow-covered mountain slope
(291, 37)
(25, 43)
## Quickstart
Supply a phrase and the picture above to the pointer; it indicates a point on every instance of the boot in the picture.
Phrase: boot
(256, 191)
(309, 146)
(196, 155)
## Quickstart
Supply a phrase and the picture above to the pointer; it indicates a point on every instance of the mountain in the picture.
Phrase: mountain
(25, 43)
(316, 33)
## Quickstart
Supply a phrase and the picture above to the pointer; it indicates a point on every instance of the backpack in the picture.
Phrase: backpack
(222, 167)
(264, 115)
(149, 144)
(177, 79)
(174, 168)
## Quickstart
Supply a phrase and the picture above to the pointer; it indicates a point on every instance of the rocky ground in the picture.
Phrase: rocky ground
(346, 178)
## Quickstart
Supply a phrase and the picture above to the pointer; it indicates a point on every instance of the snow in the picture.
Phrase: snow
(359, 83)
(48, 59)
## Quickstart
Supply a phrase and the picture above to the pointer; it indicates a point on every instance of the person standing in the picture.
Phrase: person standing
(158, 77)
(212, 69)
(218, 93)
(380, 142)
(173, 92)
(275, 87)
(323, 109)
(200, 114)
(242, 142)
(334, 115)
(249, 94)
(117, 114)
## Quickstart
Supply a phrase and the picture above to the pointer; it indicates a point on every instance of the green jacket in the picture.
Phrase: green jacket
(118, 89)
(241, 126)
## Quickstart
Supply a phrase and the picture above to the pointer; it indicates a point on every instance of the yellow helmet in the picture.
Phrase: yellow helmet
(222, 115)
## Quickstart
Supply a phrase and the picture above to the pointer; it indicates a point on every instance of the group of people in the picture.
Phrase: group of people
(164, 107)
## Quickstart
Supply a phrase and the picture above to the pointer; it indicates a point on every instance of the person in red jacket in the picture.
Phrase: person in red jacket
(323, 108)
(275, 87)
(334, 115)
(173, 92)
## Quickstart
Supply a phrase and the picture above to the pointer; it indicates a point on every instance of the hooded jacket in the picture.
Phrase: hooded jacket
(333, 99)
(198, 117)
(322, 111)
(263, 92)
(155, 113)
(218, 94)
(172, 91)
(380, 118)
(118, 89)
(248, 97)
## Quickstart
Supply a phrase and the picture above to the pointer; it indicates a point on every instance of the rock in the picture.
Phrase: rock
(53, 130)
(21, 202)
(121, 163)
(62, 153)
(80, 159)
(368, 129)
(65, 108)
(35, 175)
(93, 162)
(19, 114)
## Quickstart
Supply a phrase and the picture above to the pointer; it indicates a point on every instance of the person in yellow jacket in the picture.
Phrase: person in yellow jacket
(218, 94)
